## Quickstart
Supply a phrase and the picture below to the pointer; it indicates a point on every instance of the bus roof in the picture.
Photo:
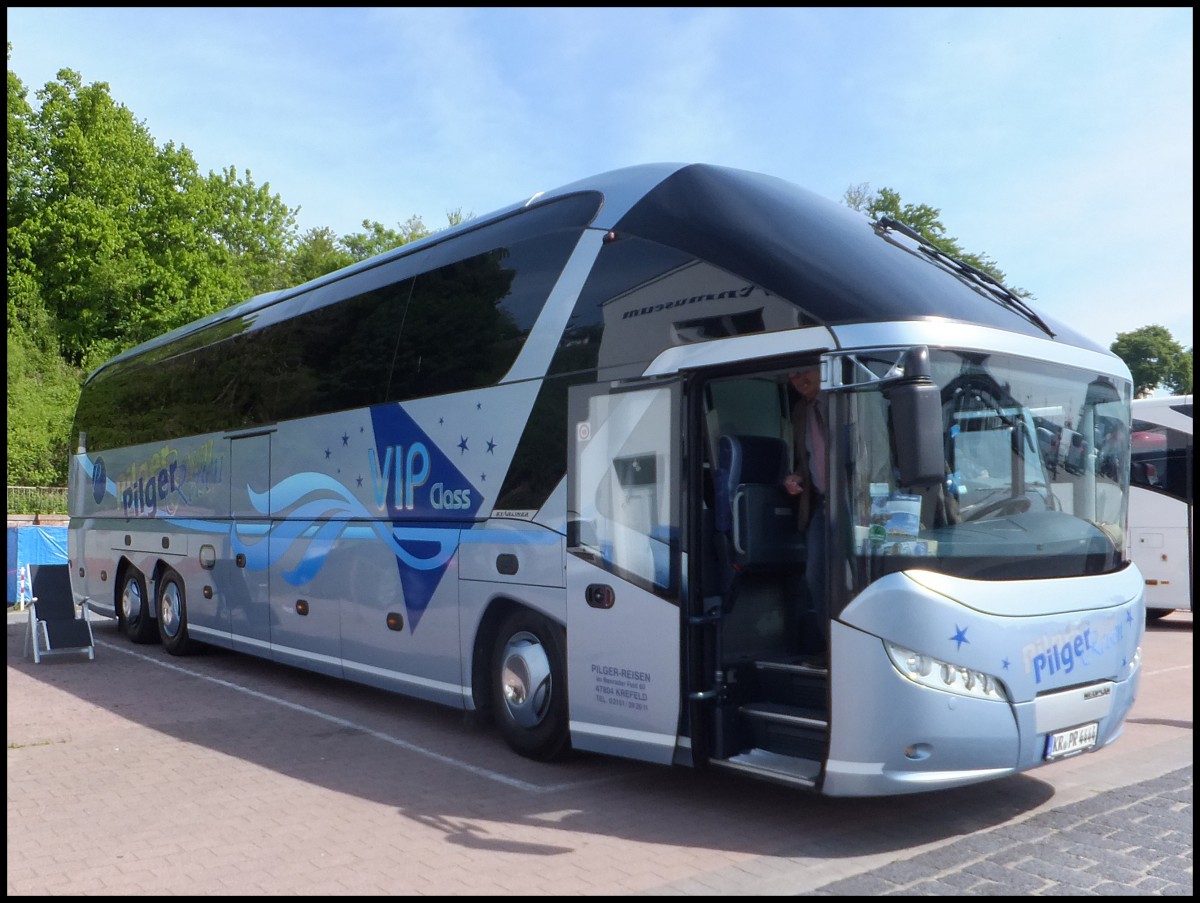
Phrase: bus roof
(831, 262)
(1172, 411)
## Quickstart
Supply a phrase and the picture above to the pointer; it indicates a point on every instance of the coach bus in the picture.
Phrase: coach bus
(1160, 501)
(532, 465)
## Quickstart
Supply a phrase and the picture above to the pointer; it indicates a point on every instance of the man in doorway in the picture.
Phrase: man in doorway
(806, 483)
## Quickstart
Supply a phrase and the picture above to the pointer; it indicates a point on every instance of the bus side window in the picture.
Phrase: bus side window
(1143, 473)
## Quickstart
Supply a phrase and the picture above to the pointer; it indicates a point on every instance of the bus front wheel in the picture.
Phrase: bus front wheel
(133, 609)
(529, 685)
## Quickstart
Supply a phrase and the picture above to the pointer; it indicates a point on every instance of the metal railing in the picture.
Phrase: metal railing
(37, 500)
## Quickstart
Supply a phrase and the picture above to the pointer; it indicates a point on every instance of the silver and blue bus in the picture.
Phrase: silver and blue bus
(531, 466)
(1161, 538)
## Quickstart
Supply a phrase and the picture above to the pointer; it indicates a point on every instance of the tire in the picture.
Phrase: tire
(135, 615)
(529, 686)
(172, 615)
(1157, 614)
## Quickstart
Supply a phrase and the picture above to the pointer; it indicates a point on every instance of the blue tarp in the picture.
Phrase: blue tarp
(32, 544)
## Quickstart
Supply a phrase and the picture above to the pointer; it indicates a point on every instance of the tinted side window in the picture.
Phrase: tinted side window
(1161, 458)
(329, 359)
(457, 327)
(467, 321)
(541, 456)
(642, 298)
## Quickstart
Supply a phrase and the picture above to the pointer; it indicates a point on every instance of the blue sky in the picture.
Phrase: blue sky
(1057, 142)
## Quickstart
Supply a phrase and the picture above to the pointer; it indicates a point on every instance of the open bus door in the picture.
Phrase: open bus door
(624, 583)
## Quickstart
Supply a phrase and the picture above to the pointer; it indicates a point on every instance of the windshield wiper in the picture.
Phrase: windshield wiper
(1003, 294)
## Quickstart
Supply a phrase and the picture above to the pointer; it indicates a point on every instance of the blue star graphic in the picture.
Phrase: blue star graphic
(327, 453)
(345, 439)
(960, 636)
(1005, 664)
(479, 405)
(491, 447)
(462, 444)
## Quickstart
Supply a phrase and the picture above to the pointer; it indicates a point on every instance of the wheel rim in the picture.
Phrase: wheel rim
(170, 609)
(525, 680)
(131, 601)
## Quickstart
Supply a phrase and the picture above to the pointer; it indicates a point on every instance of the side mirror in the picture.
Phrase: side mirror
(916, 414)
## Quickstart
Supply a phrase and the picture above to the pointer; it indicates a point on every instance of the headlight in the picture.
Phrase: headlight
(939, 675)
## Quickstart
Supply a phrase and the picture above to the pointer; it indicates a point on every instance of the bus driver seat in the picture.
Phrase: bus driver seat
(754, 514)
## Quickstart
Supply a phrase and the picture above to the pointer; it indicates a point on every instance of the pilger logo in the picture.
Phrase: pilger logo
(99, 480)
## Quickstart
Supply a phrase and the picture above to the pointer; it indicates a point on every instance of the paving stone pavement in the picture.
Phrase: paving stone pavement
(1132, 841)
(249, 816)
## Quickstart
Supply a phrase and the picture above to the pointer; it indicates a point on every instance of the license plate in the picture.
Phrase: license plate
(1074, 740)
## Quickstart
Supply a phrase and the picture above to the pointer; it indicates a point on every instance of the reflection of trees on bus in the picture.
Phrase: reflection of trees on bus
(389, 344)
(438, 353)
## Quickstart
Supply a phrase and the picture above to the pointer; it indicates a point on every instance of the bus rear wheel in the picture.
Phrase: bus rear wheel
(529, 687)
(134, 616)
(172, 615)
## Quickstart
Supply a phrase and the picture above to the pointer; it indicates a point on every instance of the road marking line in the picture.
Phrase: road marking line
(1166, 670)
(486, 773)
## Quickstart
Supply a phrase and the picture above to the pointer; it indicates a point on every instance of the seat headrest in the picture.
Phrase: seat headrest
(752, 459)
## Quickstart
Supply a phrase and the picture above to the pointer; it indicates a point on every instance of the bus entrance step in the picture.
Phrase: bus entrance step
(794, 682)
(790, 770)
(806, 665)
(787, 729)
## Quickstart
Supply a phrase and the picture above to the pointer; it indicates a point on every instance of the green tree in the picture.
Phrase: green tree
(20, 144)
(127, 239)
(42, 388)
(377, 238)
(112, 240)
(27, 314)
(1155, 359)
(924, 219)
(318, 252)
(42, 391)
(247, 229)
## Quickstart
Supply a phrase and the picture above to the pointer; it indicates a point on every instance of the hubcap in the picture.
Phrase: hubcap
(170, 610)
(131, 601)
(526, 680)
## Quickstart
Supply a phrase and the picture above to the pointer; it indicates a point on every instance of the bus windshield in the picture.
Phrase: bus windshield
(1036, 475)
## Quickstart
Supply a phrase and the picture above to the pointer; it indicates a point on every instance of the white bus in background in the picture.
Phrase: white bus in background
(533, 465)
(1160, 501)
